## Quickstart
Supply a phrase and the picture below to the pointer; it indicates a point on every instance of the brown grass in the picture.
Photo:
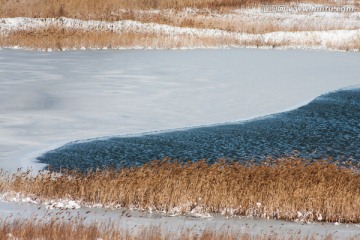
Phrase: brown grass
(93, 9)
(58, 38)
(61, 39)
(223, 20)
(58, 230)
(286, 189)
(21, 229)
(353, 45)
(209, 14)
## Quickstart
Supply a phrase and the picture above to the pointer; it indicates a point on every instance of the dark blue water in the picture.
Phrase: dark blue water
(328, 127)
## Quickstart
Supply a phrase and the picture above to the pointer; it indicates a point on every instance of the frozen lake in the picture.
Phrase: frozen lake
(328, 127)
(50, 99)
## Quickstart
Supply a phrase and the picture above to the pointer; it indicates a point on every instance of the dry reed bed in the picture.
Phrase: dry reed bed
(62, 39)
(246, 20)
(21, 229)
(55, 38)
(203, 15)
(29, 230)
(288, 188)
(92, 9)
(241, 20)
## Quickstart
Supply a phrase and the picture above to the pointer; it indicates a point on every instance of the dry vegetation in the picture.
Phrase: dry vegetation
(103, 10)
(60, 39)
(54, 230)
(63, 39)
(53, 38)
(196, 14)
(21, 229)
(287, 189)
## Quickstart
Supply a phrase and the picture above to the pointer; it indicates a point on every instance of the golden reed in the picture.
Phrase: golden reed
(286, 188)
(62, 39)
(76, 229)
(59, 39)
(206, 14)
(93, 9)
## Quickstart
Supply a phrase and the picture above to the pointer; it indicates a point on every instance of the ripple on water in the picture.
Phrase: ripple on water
(329, 126)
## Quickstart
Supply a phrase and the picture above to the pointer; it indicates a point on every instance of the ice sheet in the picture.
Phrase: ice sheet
(49, 99)
(174, 225)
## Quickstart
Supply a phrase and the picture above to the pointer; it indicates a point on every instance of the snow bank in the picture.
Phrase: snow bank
(62, 204)
(324, 39)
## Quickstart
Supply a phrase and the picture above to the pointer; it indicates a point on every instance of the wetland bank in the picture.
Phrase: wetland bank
(76, 98)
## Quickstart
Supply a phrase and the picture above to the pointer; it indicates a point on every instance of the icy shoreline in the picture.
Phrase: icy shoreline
(133, 220)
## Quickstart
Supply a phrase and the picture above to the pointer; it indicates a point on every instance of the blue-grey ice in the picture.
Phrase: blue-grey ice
(49, 99)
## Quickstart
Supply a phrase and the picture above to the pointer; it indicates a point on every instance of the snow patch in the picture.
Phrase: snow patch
(63, 204)
(324, 39)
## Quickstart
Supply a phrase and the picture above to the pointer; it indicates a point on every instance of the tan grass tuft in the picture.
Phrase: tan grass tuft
(204, 14)
(92, 9)
(288, 189)
(75, 229)
(60, 39)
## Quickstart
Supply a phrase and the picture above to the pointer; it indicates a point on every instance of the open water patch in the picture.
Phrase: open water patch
(328, 127)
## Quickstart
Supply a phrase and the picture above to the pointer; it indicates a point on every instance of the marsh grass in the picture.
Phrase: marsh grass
(77, 229)
(286, 188)
(55, 37)
(63, 39)
(195, 14)
(30, 229)
(60, 39)
(92, 9)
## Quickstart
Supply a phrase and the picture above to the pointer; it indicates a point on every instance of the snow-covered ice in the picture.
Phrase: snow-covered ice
(176, 224)
(48, 99)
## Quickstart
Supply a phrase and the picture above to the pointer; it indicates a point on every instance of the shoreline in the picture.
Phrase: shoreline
(137, 220)
(19, 207)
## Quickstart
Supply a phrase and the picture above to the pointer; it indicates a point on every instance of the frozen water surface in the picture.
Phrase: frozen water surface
(49, 99)
(177, 224)
(328, 127)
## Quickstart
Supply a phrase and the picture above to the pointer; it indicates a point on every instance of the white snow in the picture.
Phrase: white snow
(299, 25)
(347, 31)
(63, 204)
(258, 17)
(325, 30)
(49, 99)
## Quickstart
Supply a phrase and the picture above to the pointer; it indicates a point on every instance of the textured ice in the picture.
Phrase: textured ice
(49, 99)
